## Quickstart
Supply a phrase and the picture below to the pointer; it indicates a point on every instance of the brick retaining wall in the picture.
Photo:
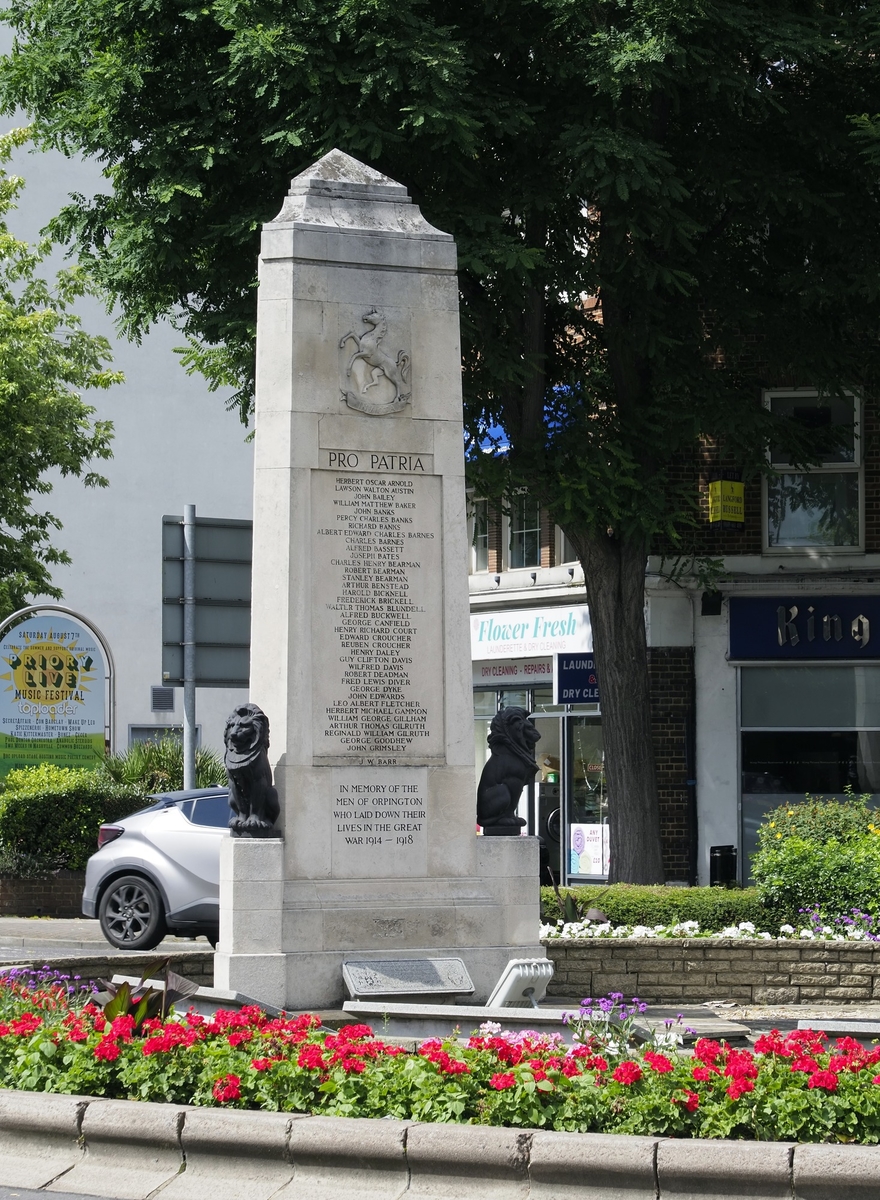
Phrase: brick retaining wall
(670, 970)
(58, 894)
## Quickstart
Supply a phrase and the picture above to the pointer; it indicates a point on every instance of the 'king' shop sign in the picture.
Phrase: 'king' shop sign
(804, 628)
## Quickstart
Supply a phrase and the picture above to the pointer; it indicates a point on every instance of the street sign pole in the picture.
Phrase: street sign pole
(189, 646)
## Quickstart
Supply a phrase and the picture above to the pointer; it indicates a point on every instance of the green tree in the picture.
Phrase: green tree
(661, 206)
(46, 360)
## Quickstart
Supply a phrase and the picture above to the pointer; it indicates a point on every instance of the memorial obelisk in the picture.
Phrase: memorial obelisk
(360, 643)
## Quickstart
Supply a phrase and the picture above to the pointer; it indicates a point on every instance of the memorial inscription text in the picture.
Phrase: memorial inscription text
(378, 618)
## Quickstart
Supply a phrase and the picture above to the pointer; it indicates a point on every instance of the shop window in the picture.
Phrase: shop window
(805, 730)
(480, 540)
(524, 542)
(820, 507)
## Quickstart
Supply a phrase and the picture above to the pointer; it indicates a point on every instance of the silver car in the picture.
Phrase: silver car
(158, 871)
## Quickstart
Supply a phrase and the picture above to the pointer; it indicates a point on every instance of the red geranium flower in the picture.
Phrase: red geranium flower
(311, 1058)
(503, 1081)
(707, 1051)
(261, 1064)
(107, 1049)
(826, 1080)
(658, 1062)
(628, 1072)
(805, 1064)
(353, 1032)
(227, 1088)
(739, 1087)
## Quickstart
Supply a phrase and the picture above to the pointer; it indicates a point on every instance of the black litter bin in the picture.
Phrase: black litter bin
(722, 866)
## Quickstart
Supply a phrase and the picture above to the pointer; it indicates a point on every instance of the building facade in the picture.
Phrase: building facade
(174, 444)
(765, 685)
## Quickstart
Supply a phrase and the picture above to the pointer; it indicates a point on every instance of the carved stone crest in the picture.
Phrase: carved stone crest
(372, 367)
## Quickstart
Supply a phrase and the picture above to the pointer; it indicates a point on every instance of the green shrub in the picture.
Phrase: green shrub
(835, 877)
(49, 816)
(158, 766)
(822, 854)
(816, 820)
(631, 904)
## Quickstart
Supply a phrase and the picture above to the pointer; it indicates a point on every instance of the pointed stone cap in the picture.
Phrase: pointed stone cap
(339, 176)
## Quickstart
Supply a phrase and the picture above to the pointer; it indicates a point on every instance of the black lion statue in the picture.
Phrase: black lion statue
(252, 797)
(512, 740)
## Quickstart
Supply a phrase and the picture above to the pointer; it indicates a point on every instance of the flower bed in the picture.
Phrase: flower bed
(54, 1038)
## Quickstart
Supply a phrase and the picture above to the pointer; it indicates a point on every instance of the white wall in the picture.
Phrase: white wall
(175, 444)
(717, 725)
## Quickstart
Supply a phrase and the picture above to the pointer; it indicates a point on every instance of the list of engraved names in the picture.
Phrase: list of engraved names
(378, 613)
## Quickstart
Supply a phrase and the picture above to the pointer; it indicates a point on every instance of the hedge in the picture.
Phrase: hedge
(49, 816)
(633, 904)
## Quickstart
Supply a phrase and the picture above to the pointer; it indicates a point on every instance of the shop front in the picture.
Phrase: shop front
(809, 701)
(513, 654)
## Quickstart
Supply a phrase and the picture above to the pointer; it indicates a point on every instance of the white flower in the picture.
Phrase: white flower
(685, 929)
(669, 1039)
(747, 926)
(731, 932)
(827, 930)
(767, 937)
(786, 929)
(808, 935)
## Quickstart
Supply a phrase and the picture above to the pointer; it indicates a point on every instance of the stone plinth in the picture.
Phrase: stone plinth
(360, 644)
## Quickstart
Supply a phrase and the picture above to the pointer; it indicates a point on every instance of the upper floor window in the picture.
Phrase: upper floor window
(524, 546)
(480, 543)
(819, 507)
(566, 551)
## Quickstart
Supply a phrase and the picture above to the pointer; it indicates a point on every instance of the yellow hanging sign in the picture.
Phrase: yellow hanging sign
(726, 501)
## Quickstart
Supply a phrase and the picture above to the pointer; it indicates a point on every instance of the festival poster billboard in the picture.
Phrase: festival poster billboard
(51, 694)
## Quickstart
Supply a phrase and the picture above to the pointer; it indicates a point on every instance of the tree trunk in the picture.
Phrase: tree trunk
(615, 577)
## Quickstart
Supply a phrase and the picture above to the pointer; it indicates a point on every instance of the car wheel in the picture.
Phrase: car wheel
(132, 915)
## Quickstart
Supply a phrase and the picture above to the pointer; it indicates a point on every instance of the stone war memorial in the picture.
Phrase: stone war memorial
(360, 646)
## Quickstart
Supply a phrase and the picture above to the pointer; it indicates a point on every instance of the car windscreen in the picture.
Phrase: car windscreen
(208, 810)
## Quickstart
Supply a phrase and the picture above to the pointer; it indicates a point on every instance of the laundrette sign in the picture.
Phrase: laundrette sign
(804, 628)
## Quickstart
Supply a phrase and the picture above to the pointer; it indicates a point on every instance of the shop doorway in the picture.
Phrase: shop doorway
(566, 806)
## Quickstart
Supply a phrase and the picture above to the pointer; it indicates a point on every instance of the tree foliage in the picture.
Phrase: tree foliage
(46, 360)
(661, 206)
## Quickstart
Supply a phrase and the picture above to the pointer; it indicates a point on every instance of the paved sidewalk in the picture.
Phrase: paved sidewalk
(26, 937)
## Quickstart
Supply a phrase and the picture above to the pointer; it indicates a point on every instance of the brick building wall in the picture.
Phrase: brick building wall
(671, 674)
(707, 458)
(495, 530)
(870, 446)
(56, 895)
